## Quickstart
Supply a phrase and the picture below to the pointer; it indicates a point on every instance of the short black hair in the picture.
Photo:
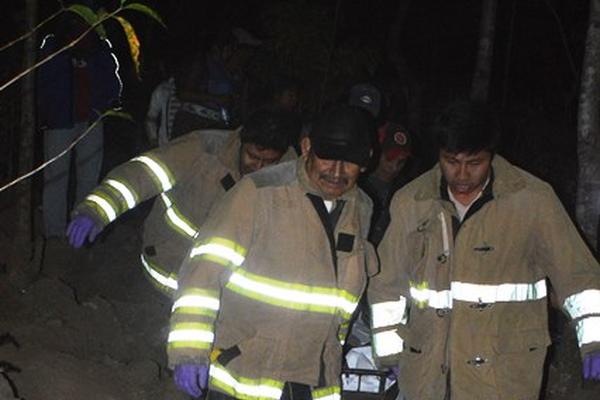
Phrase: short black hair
(271, 129)
(466, 126)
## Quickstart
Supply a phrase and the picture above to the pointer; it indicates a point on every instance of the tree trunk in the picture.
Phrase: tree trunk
(588, 132)
(21, 263)
(483, 69)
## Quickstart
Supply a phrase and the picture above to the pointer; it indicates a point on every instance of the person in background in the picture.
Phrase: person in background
(73, 89)
(459, 309)
(188, 176)
(160, 116)
(268, 288)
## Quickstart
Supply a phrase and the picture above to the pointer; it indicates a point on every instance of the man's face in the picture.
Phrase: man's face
(288, 100)
(254, 157)
(332, 177)
(388, 169)
(466, 173)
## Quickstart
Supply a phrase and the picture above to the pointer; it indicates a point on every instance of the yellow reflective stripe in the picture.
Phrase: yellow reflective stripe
(109, 211)
(196, 301)
(583, 303)
(292, 295)
(193, 335)
(588, 330)
(168, 281)
(387, 343)
(124, 191)
(389, 313)
(478, 293)
(244, 388)
(225, 251)
(175, 218)
(329, 393)
(162, 174)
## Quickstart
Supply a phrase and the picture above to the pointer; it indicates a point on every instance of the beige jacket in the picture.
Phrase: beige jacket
(187, 176)
(263, 284)
(464, 309)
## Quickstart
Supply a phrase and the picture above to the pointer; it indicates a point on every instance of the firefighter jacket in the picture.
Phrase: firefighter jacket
(463, 307)
(270, 288)
(187, 176)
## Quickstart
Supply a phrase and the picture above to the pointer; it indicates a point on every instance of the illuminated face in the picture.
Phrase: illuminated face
(332, 177)
(254, 157)
(466, 173)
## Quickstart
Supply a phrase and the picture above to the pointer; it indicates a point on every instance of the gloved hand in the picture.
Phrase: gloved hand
(393, 373)
(591, 366)
(81, 228)
(191, 378)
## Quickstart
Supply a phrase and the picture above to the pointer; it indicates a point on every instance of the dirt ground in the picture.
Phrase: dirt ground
(92, 327)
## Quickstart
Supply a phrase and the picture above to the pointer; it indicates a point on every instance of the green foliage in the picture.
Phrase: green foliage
(89, 16)
(134, 43)
(119, 114)
(145, 10)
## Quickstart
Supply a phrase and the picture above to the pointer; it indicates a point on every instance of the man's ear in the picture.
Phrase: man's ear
(305, 146)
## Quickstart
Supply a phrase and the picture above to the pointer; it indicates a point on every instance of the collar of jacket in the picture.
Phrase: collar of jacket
(507, 179)
(309, 187)
(230, 154)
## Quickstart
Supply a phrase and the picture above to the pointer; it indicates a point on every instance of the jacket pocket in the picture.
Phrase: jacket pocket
(258, 357)
(519, 363)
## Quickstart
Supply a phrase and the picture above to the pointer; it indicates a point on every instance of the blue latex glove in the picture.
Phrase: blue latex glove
(81, 228)
(591, 366)
(191, 378)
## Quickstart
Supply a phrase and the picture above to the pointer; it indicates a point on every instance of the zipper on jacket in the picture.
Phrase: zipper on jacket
(328, 220)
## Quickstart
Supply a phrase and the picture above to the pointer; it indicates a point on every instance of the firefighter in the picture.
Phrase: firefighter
(270, 285)
(188, 176)
(460, 305)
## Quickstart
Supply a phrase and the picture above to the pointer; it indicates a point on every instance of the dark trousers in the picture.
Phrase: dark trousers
(291, 391)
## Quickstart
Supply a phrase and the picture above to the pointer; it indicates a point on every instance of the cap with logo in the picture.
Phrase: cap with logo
(366, 96)
(394, 140)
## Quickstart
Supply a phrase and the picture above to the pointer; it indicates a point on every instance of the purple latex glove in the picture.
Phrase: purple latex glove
(393, 373)
(191, 378)
(591, 366)
(81, 228)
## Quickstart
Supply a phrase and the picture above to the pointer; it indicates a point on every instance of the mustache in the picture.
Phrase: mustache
(341, 179)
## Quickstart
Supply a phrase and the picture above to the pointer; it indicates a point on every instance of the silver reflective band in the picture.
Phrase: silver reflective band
(157, 170)
(122, 189)
(588, 330)
(157, 276)
(334, 396)
(220, 251)
(291, 295)
(387, 343)
(191, 335)
(261, 391)
(471, 292)
(583, 303)
(110, 212)
(175, 219)
(389, 313)
(434, 299)
(499, 293)
(194, 300)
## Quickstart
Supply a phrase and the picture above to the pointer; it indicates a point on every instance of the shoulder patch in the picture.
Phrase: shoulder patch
(277, 175)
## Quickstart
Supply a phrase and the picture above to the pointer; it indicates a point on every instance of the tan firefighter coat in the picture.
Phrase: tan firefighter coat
(464, 309)
(187, 177)
(265, 285)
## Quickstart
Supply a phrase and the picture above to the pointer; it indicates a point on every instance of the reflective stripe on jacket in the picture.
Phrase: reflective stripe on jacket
(470, 309)
(187, 176)
(262, 279)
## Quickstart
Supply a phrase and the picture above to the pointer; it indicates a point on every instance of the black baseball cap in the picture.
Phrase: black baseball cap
(344, 133)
